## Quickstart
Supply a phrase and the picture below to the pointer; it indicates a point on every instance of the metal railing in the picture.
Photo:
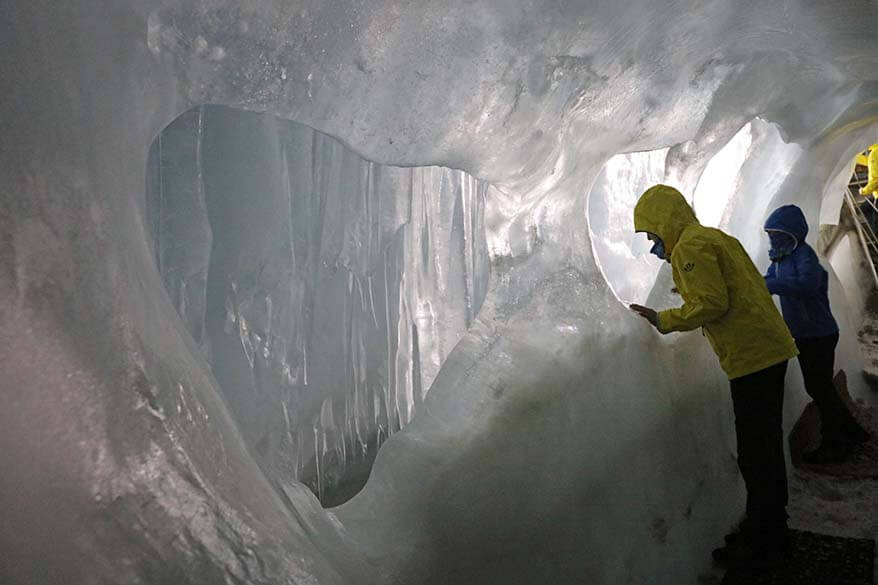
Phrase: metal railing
(865, 232)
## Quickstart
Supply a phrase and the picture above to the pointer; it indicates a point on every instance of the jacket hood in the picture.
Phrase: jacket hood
(790, 219)
(663, 211)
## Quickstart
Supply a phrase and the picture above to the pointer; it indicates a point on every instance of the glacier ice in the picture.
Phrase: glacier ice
(171, 301)
(333, 292)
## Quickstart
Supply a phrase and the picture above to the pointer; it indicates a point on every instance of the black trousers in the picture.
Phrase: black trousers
(817, 359)
(758, 404)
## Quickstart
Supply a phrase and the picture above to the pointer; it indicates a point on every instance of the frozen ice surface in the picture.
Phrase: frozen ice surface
(333, 292)
(146, 353)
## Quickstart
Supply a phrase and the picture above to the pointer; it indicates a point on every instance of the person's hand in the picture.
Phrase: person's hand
(647, 313)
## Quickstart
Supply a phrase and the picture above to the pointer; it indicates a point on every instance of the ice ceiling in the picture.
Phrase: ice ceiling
(200, 306)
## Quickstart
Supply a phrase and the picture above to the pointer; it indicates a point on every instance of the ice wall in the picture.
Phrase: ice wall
(562, 441)
(333, 292)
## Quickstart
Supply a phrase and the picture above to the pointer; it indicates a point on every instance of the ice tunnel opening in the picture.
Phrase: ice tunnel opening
(756, 170)
(623, 256)
(323, 290)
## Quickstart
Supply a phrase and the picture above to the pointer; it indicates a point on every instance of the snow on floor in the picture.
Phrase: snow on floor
(833, 505)
(841, 506)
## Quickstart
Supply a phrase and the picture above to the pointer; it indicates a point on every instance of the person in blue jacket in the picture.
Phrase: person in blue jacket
(795, 275)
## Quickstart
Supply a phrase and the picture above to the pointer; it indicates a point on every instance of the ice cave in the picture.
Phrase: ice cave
(335, 292)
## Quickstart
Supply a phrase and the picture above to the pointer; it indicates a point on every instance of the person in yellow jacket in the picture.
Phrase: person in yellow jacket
(725, 295)
(871, 162)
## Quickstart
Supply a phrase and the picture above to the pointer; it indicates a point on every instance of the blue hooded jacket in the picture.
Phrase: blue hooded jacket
(799, 280)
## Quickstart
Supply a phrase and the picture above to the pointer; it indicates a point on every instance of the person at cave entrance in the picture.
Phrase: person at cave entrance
(871, 188)
(795, 275)
(725, 295)
(869, 159)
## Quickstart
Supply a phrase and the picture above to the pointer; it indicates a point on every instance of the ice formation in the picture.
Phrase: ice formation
(333, 289)
(421, 222)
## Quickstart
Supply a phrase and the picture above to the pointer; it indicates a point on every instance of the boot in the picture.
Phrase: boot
(828, 453)
(749, 556)
(760, 550)
(740, 534)
(837, 445)
(856, 435)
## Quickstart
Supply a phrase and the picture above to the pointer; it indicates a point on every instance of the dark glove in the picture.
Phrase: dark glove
(649, 314)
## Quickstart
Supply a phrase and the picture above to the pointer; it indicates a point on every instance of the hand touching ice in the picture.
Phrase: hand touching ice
(647, 313)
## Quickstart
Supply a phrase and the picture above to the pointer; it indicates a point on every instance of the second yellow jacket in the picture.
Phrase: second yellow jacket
(872, 162)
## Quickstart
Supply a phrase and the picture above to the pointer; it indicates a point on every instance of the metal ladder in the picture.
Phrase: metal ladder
(865, 233)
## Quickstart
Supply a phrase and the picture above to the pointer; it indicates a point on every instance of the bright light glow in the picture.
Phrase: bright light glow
(719, 181)
(623, 256)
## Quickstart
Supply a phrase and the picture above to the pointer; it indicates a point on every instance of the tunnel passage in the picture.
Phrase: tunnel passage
(625, 176)
(324, 290)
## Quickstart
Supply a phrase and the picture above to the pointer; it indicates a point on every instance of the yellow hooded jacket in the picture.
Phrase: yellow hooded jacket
(722, 290)
(871, 187)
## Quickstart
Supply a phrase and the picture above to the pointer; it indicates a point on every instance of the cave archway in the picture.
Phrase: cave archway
(622, 255)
